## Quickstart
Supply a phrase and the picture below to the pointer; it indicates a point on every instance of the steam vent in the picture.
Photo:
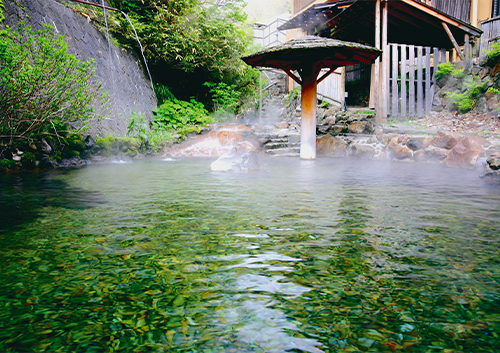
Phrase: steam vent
(307, 57)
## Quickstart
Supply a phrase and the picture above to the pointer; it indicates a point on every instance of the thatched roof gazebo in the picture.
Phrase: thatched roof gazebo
(307, 57)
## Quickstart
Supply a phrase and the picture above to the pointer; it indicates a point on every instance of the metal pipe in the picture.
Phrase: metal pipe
(495, 8)
(96, 5)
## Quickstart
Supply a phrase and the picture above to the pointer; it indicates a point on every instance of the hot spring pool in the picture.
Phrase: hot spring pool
(329, 255)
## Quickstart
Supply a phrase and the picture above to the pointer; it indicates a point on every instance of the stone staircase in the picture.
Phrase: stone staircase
(279, 142)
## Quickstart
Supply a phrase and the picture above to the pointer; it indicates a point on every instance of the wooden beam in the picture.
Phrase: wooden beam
(453, 40)
(326, 74)
(360, 58)
(467, 46)
(292, 76)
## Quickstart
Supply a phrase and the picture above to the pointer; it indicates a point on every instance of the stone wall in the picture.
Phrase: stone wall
(480, 70)
(121, 73)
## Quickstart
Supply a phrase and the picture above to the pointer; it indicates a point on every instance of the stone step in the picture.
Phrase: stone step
(283, 151)
(279, 145)
(286, 155)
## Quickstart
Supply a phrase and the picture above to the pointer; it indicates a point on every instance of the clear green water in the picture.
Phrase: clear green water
(324, 256)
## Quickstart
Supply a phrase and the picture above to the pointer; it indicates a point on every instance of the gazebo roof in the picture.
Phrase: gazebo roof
(329, 53)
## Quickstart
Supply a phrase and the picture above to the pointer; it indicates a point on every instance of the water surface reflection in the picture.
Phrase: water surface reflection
(315, 256)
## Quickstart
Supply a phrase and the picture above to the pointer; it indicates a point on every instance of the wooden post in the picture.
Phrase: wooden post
(395, 74)
(420, 83)
(376, 81)
(467, 46)
(428, 95)
(411, 70)
(309, 107)
(260, 97)
(403, 81)
(385, 61)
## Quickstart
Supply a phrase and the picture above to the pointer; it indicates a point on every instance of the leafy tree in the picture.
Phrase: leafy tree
(43, 89)
(189, 42)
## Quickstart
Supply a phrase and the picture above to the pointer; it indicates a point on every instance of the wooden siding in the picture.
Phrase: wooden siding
(491, 34)
(332, 88)
(300, 4)
(459, 9)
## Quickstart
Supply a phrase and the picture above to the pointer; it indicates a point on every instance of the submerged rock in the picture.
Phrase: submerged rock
(492, 168)
(74, 162)
(242, 158)
(362, 151)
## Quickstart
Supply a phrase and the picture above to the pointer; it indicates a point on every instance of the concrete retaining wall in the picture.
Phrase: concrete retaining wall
(121, 73)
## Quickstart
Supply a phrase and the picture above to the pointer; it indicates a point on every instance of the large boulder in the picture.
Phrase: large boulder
(330, 146)
(398, 149)
(241, 158)
(415, 143)
(385, 139)
(442, 139)
(467, 151)
(361, 127)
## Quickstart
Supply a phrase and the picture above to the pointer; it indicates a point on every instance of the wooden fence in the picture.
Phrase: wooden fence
(491, 34)
(412, 79)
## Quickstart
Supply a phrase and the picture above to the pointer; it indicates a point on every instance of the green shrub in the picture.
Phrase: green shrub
(493, 90)
(7, 164)
(180, 116)
(147, 139)
(2, 17)
(43, 88)
(106, 145)
(494, 53)
(163, 93)
(225, 97)
(444, 69)
(293, 95)
(137, 126)
(467, 100)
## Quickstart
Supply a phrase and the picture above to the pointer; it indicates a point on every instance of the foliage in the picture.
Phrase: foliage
(324, 104)
(163, 93)
(467, 99)
(43, 88)
(293, 95)
(188, 42)
(494, 53)
(225, 97)
(7, 164)
(153, 139)
(444, 69)
(106, 144)
(180, 116)
(2, 7)
(493, 90)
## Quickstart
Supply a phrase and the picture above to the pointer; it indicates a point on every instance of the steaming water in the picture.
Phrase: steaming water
(303, 256)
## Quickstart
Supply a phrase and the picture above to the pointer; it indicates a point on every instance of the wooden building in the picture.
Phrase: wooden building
(415, 36)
